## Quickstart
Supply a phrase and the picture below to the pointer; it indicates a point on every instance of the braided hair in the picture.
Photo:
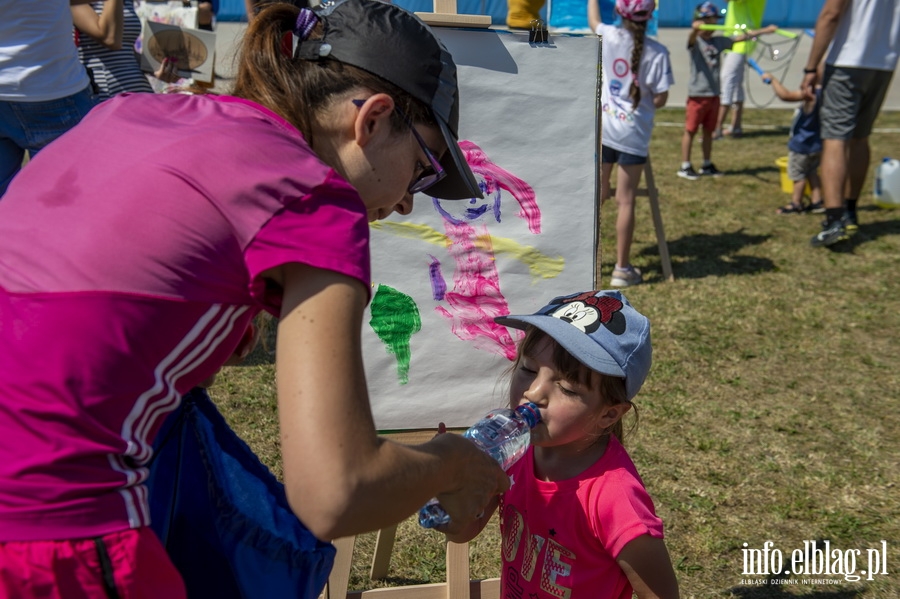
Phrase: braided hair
(638, 30)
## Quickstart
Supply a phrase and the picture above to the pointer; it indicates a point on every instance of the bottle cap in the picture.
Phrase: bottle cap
(531, 413)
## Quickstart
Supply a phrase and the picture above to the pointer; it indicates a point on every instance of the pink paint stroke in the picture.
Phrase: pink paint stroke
(476, 298)
(496, 175)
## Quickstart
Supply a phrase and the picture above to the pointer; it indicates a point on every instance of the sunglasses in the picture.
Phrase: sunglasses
(428, 177)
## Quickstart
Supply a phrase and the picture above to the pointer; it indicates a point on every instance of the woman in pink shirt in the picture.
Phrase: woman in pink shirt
(131, 265)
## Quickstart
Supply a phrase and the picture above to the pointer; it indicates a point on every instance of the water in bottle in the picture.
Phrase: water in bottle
(504, 435)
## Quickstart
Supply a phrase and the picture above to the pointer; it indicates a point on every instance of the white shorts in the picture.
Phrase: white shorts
(732, 78)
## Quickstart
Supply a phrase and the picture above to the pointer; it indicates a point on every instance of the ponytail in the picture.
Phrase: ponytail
(638, 30)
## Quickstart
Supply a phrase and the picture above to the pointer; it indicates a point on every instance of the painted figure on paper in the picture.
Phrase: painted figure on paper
(475, 297)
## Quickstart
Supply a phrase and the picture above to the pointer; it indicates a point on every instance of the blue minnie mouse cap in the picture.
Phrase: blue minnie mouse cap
(600, 329)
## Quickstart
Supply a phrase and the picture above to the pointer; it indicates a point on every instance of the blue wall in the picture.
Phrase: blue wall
(789, 14)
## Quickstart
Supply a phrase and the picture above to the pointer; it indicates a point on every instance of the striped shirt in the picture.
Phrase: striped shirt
(114, 71)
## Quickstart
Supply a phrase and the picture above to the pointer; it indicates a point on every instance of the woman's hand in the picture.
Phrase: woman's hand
(476, 485)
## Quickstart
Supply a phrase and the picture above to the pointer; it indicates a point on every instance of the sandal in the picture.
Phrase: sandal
(816, 207)
(792, 208)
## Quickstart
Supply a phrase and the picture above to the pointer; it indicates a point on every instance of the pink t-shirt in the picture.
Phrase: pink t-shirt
(561, 539)
(131, 250)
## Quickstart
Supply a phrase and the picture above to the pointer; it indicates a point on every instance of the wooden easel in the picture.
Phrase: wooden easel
(652, 193)
(457, 586)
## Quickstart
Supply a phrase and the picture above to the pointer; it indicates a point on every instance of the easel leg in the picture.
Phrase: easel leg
(339, 580)
(657, 222)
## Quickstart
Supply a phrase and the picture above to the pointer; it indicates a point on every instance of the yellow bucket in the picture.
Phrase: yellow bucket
(787, 186)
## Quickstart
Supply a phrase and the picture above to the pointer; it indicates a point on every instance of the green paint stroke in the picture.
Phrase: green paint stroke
(395, 318)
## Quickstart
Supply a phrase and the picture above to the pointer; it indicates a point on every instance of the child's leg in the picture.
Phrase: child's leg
(628, 178)
(815, 187)
(710, 125)
(687, 140)
(736, 119)
(605, 176)
(707, 145)
(720, 118)
(797, 170)
(692, 116)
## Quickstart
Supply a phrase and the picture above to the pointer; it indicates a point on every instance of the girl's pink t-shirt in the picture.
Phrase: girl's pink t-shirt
(562, 538)
(131, 250)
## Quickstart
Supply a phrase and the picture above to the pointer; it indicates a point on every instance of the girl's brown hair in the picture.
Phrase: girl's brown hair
(611, 388)
(638, 31)
(299, 89)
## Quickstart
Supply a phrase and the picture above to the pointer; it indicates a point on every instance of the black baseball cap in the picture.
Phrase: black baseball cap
(394, 44)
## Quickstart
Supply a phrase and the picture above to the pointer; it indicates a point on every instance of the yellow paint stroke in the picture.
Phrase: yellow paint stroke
(539, 264)
(413, 231)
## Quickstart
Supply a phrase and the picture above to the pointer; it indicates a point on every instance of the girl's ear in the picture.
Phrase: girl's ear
(610, 414)
(373, 117)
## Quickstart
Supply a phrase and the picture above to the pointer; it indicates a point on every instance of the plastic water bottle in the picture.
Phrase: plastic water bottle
(504, 435)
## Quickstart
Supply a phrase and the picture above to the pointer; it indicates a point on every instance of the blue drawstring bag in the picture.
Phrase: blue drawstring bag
(223, 517)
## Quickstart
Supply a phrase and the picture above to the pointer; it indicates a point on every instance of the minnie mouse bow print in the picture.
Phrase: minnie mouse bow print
(586, 312)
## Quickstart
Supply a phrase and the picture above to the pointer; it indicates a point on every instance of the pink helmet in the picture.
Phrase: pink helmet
(636, 10)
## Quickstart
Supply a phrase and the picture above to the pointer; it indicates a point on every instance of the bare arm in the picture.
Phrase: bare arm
(475, 528)
(646, 563)
(107, 27)
(660, 99)
(783, 93)
(695, 31)
(748, 35)
(826, 26)
(593, 9)
(340, 477)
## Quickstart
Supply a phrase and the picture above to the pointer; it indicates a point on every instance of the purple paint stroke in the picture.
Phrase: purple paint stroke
(438, 284)
(475, 298)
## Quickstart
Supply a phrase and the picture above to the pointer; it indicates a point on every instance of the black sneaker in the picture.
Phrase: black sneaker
(851, 225)
(830, 234)
(710, 170)
(688, 173)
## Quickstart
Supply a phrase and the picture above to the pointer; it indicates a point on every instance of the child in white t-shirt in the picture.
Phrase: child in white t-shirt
(637, 74)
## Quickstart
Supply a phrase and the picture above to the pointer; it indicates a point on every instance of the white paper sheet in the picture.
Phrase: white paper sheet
(529, 118)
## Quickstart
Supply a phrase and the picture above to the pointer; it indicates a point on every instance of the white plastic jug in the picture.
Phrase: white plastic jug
(887, 183)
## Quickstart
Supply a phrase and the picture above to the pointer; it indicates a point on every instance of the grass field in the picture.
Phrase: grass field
(772, 412)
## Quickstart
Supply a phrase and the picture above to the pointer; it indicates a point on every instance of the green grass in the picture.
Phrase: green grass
(773, 408)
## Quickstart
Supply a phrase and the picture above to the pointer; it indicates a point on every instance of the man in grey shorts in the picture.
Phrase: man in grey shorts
(858, 71)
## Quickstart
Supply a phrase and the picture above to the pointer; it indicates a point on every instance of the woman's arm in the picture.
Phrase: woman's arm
(474, 529)
(107, 27)
(340, 477)
(646, 563)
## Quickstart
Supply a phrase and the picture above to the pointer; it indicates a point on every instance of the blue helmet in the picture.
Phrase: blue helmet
(705, 10)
